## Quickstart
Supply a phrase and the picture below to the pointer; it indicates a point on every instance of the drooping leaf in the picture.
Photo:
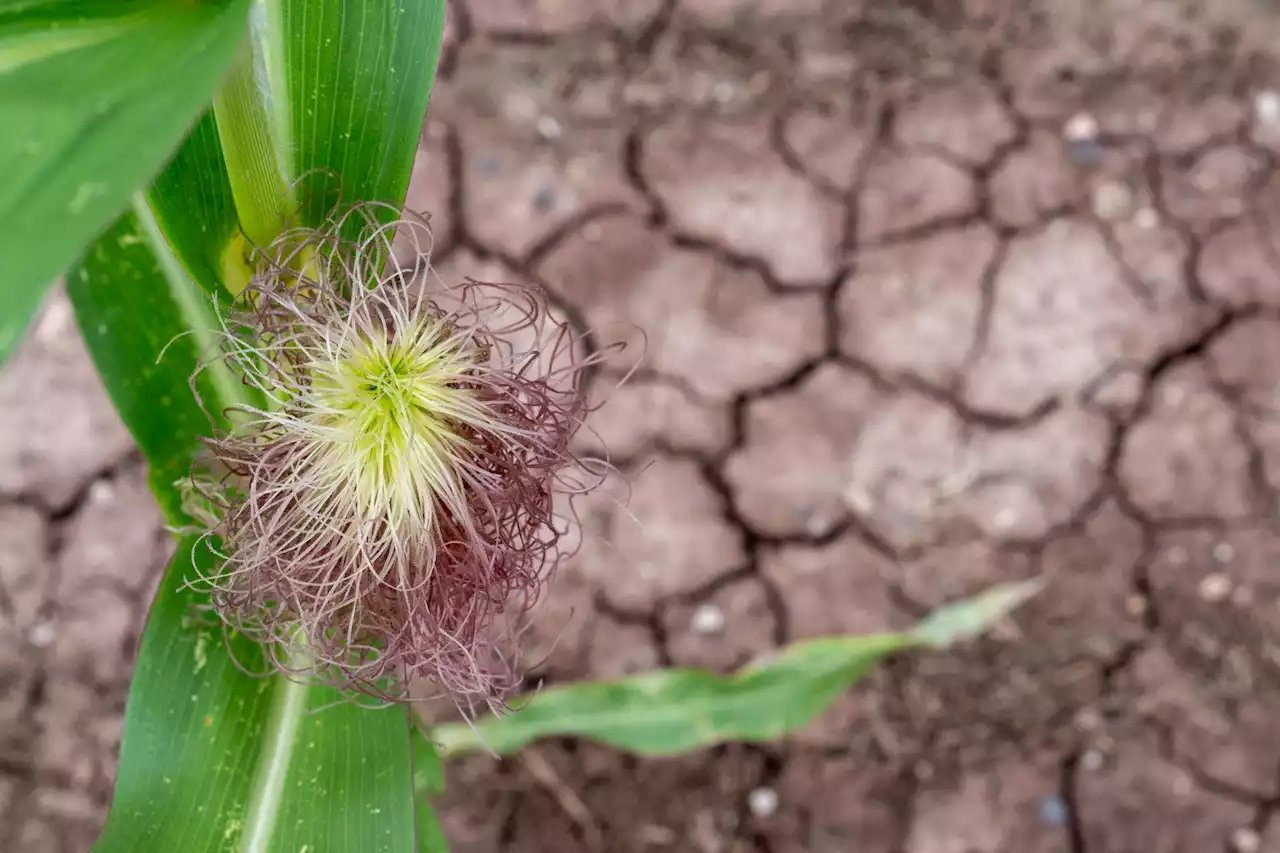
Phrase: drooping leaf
(94, 97)
(215, 760)
(670, 711)
(676, 710)
(966, 619)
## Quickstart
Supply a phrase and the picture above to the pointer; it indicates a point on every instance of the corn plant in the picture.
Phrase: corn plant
(354, 472)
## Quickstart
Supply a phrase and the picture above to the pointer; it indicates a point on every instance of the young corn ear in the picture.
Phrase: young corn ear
(388, 517)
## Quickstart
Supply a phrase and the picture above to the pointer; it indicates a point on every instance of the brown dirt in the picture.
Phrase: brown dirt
(936, 295)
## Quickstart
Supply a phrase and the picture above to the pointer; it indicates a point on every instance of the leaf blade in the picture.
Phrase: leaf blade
(666, 712)
(352, 68)
(196, 727)
(103, 96)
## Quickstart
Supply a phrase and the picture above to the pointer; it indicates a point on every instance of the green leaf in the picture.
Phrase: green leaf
(963, 620)
(194, 208)
(214, 760)
(94, 96)
(428, 781)
(147, 327)
(350, 84)
(677, 710)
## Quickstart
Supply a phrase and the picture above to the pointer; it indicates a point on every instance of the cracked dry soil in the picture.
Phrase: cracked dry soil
(936, 295)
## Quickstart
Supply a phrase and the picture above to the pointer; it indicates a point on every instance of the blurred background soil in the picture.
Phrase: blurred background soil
(938, 293)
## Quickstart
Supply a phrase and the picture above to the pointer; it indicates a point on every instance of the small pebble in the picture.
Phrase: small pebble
(1182, 786)
(1005, 519)
(1053, 810)
(592, 232)
(763, 802)
(1084, 152)
(723, 92)
(544, 199)
(1223, 552)
(1088, 720)
(1111, 200)
(101, 491)
(549, 128)
(1266, 106)
(1081, 126)
(1246, 840)
(1092, 760)
(1215, 587)
(42, 635)
(1135, 605)
(1146, 218)
(708, 619)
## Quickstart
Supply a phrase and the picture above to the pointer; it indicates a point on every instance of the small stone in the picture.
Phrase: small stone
(520, 107)
(723, 92)
(1084, 152)
(549, 128)
(1081, 126)
(763, 802)
(1053, 810)
(657, 835)
(1223, 552)
(1088, 720)
(1111, 200)
(1215, 587)
(544, 199)
(708, 619)
(1266, 106)
(42, 635)
(1246, 840)
(1182, 786)
(1005, 519)
(1135, 605)
(101, 491)
(1092, 760)
(592, 232)
(1146, 218)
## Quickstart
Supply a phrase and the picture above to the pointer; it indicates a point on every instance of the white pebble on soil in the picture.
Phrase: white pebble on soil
(1246, 840)
(763, 802)
(708, 619)
(549, 128)
(1215, 587)
(1081, 126)
(42, 635)
(1266, 106)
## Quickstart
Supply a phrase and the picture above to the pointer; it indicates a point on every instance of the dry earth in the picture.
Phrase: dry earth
(937, 294)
